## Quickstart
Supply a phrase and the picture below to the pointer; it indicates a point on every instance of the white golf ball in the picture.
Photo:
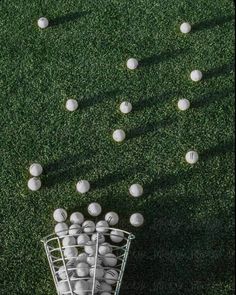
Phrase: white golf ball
(82, 240)
(68, 241)
(34, 184)
(183, 104)
(91, 260)
(102, 226)
(89, 226)
(112, 218)
(111, 277)
(61, 229)
(136, 190)
(62, 270)
(137, 220)
(82, 257)
(90, 248)
(192, 157)
(119, 135)
(60, 215)
(75, 230)
(72, 105)
(105, 288)
(82, 269)
(81, 287)
(125, 107)
(104, 249)
(83, 186)
(196, 75)
(43, 22)
(97, 286)
(36, 169)
(132, 63)
(63, 287)
(110, 260)
(98, 236)
(99, 272)
(116, 236)
(70, 252)
(185, 28)
(77, 218)
(94, 209)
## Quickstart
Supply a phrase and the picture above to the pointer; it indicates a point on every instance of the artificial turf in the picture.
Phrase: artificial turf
(187, 243)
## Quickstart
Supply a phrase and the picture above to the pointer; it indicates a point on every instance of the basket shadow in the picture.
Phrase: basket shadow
(211, 23)
(67, 18)
(224, 70)
(219, 150)
(162, 57)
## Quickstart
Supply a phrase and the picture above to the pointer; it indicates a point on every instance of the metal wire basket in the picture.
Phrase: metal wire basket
(64, 268)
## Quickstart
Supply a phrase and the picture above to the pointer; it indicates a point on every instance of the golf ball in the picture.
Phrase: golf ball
(125, 107)
(102, 226)
(34, 184)
(110, 259)
(196, 75)
(60, 215)
(82, 269)
(94, 209)
(183, 104)
(81, 287)
(137, 219)
(61, 229)
(105, 288)
(116, 236)
(112, 218)
(192, 157)
(104, 249)
(119, 135)
(77, 218)
(111, 277)
(136, 190)
(43, 22)
(75, 230)
(83, 186)
(89, 226)
(68, 241)
(36, 169)
(132, 63)
(82, 240)
(185, 28)
(71, 105)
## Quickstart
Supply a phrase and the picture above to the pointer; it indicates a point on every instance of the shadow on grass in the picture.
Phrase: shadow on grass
(162, 57)
(223, 70)
(211, 23)
(221, 149)
(212, 97)
(70, 17)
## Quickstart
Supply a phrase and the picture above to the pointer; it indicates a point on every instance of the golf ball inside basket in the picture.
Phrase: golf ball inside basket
(112, 218)
(89, 226)
(137, 219)
(136, 190)
(102, 226)
(36, 169)
(68, 241)
(81, 287)
(60, 215)
(196, 75)
(34, 184)
(104, 249)
(77, 218)
(83, 239)
(71, 105)
(183, 104)
(192, 157)
(61, 229)
(110, 259)
(71, 252)
(43, 22)
(111, 277)
(105, 288)
(75, 230)
(116, 236)
(83, 186)
(185, 28)
(82, 269)
(99, 272)
(118, 135)
(94, 209)
(132, 63)
(125, 107)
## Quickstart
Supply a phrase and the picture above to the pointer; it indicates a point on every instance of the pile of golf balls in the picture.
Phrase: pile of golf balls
(34, 183)
(91, 250)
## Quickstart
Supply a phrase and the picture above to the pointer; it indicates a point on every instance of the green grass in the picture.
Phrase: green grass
(187, 244)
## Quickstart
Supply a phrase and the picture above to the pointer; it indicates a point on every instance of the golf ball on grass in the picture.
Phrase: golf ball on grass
(196, 75)
(185, 28)
(119, 135)
(34, 184)
(136, 190)
(77, 218)
(72, 105)
(132, 64)
(192, 157)
(60, 215)
(125, 107)
(112, 218)
(43, 22)
(83, 186)
(94, 209)
(36, 169)
(116, 236)
(137, 220)
(183, 104)
(89, 226)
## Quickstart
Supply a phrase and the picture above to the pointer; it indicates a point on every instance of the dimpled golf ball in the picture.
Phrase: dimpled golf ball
(119, 135)
(77, 218)
(185, 28)
(105, 288)
(104, 249)
(112, 218)
(192, 157)
(68, 241)
(94, 209)
(110, 259)
(136, 190)
(75, 230)
(125, 107)
(83, 186)
(111, 277)
(43, 23)
(183, 104)
(196, 75)
(88, 226)
(81, 287)
(61, 229)
(132, 63)
(71, 105)
(82, 269)
(102, 226)
(34, 184)
(82, 240)
(137, 220)
(116, 236)
(36, 169)
(60, 215)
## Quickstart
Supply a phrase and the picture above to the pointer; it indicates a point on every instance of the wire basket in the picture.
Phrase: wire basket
(64, 267)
